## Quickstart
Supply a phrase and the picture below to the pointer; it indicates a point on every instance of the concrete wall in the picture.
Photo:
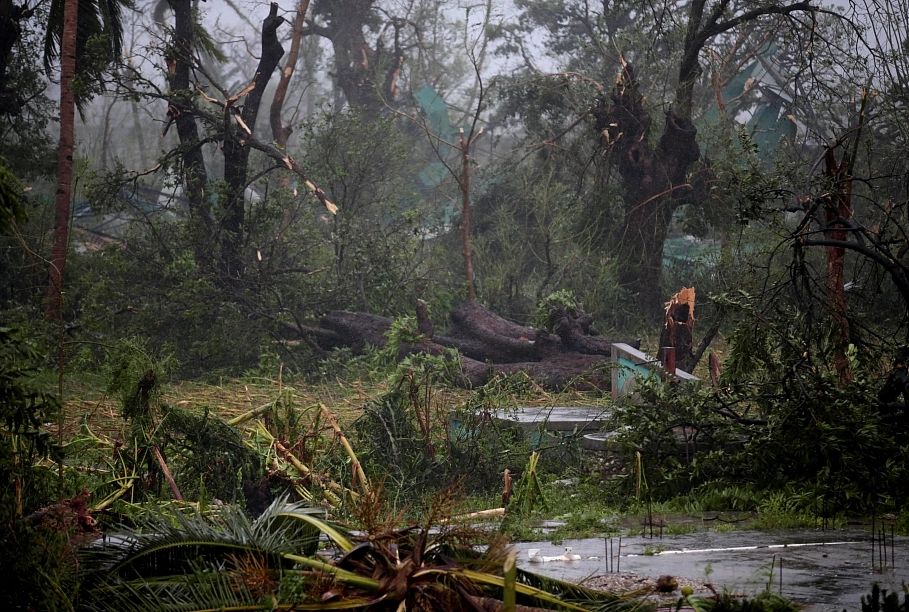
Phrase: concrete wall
(629, 362)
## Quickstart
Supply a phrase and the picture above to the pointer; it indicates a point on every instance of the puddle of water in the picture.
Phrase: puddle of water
(556, 418)
(826, 571)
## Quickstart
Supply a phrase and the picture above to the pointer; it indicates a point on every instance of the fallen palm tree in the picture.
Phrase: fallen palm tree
(180, 561)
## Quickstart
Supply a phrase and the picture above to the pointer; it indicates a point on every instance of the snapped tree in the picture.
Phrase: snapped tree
(657, 176)
(218, 239)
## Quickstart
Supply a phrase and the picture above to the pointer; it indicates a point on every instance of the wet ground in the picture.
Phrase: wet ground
(825, 570)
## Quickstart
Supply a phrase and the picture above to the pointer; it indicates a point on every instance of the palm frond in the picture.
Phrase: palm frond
(166, 542)
(179, 560)
(590, 599)
(97, 18)
(333, 532)
(539, 596)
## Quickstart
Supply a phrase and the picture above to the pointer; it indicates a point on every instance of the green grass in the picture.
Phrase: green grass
(589, 506)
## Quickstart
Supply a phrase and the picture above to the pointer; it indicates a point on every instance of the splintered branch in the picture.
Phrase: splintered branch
(288, 162)
(280, 132)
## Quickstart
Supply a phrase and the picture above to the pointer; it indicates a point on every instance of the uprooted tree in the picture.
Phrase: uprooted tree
(569, 353)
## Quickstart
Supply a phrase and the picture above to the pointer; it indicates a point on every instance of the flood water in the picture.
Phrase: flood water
(825, 570)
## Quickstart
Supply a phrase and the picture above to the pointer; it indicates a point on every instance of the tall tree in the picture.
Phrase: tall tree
(218, 229)
(64, 159)
(279, 131)
(656, 175)
(70, 26)
(237, 149)
(647, 167)
(366, 72)
(195, 175)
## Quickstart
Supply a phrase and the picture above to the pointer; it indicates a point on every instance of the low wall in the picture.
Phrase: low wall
(629, 362)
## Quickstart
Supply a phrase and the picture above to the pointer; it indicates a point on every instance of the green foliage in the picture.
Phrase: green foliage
(159, 294)
(682, 440)
(403, 331)
(223, 560)
(132, 573)
(23, 411)
(528, 493)
(729, 602)
(789, 509)
(39, 568)
(99, 39)
(25, 109)
(12, 201)
(211, 458)
(782, 420)
(783, 435)
(549, 307)
(298, 263)
(136, 376)
(35, 558)
(407, 437)
(375, 252)
(208, 458)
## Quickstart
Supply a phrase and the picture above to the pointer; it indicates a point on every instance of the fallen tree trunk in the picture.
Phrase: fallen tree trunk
(356, 330)
(574, 329)
(488, 345)
(503, 341)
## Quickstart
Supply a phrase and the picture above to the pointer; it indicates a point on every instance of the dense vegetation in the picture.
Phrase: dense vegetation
(238, 174)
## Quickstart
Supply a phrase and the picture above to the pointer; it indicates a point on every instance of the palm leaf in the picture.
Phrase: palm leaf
(333, 533)
(520, 589)
(180, 561)
(205, 590)
(96, 18)
(168, 542)
(590, 598)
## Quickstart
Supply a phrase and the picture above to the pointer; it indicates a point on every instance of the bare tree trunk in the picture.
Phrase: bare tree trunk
(366, 75)
(654, 179)
(353, 57)
(63, 196)
(280, 132)
(236, 151)
(464, 143)
(64, 160)
(195, 175)
(837, 210)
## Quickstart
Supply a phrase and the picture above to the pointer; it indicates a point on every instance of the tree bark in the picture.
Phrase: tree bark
(488, 345)
(480, 333)
(654, 179)
(354, 59)
(180, 111)
(837, 212)
(678, 328)
(280, 132)
(236, 150)
(366, 76)
(64, 160)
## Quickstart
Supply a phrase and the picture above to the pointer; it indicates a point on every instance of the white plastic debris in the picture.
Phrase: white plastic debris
(534, 556)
